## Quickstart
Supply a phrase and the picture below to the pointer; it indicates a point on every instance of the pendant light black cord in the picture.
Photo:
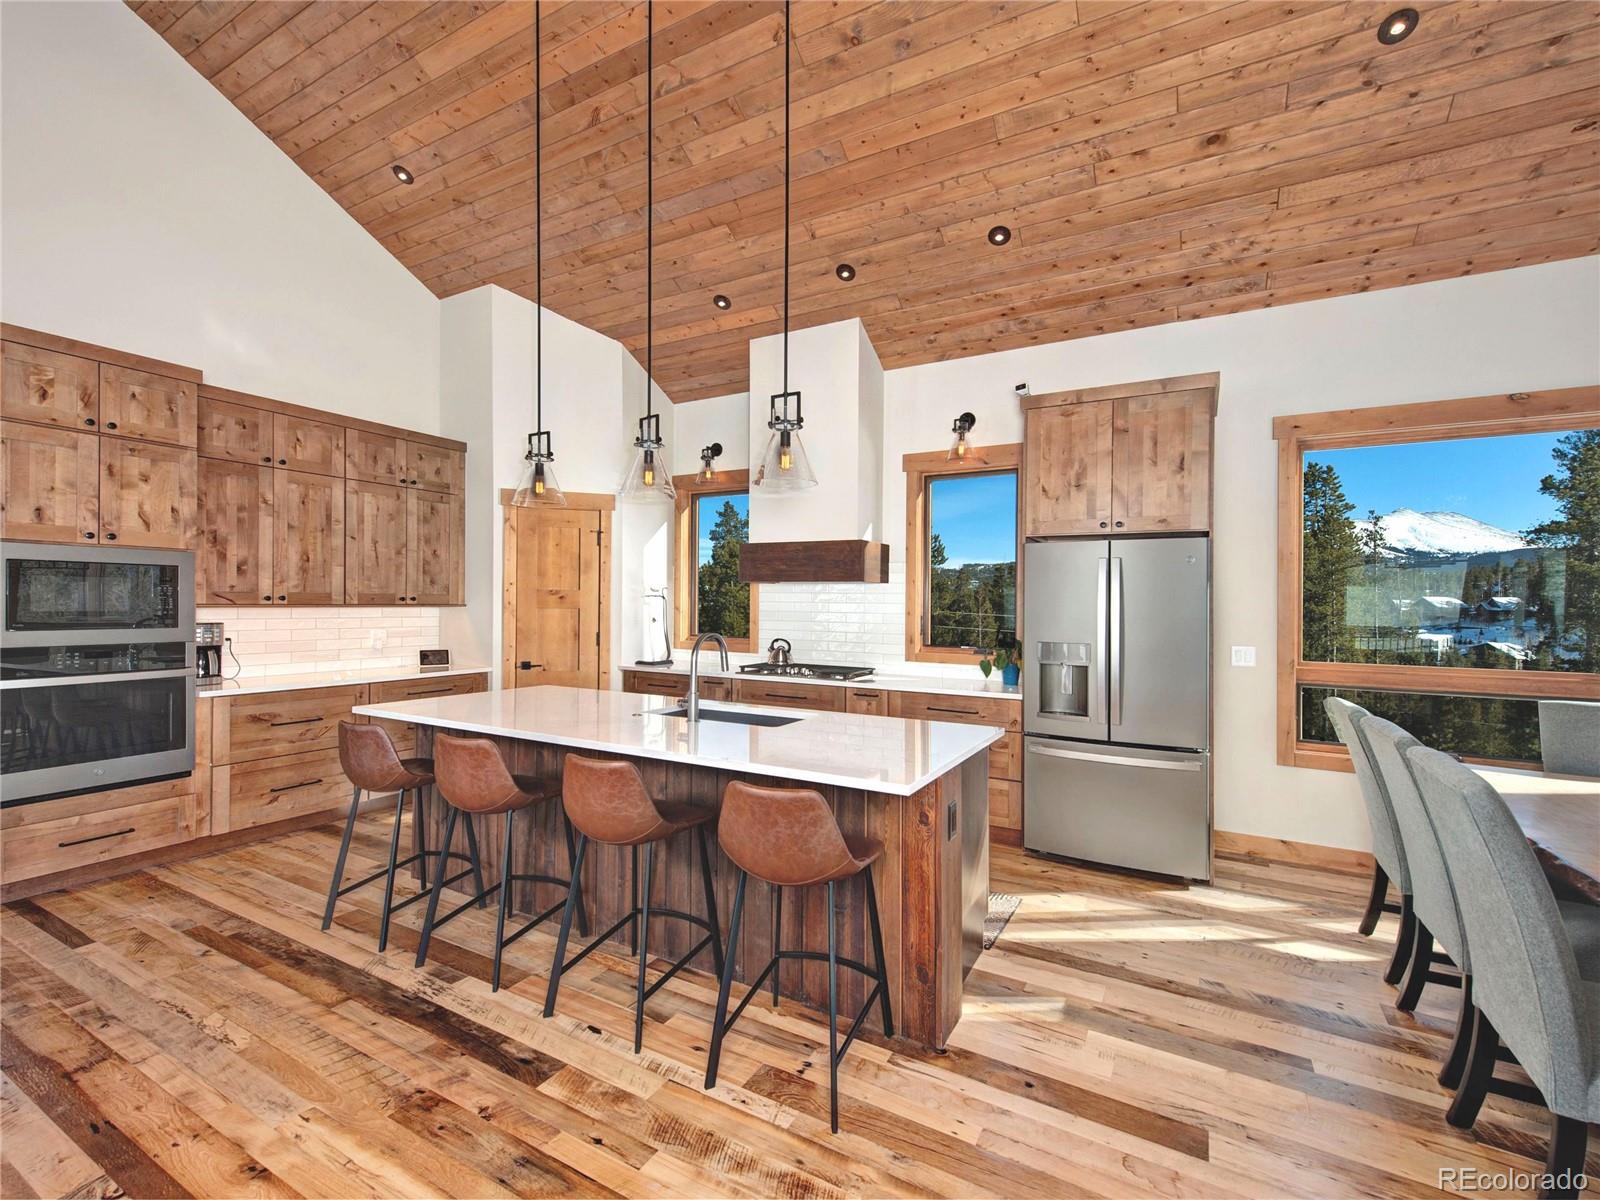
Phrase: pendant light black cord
(649, 203)
(538, 225)
(786, 20)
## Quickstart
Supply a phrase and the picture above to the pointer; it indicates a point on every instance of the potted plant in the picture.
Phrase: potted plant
(1008, 657)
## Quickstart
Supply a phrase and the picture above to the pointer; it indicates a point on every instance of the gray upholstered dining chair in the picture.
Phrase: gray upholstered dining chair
(1433, 897)
(1569, 736)
(1388, 854)
(1526, 988)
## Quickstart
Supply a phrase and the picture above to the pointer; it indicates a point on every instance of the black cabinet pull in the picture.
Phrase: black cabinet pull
(99, 837)
(960, 712)
(302, 721)
(283, 462)
(88, 534)
(88, 421)
(281, 599)
(444, 691)
(111, 537)
(266, 458)
(111, 424)
(1119, 524)
(289, 787)
(268, 599)
(1102, 524)
(413, 599)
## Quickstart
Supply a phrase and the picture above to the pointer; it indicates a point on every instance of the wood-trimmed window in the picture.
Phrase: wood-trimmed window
(1533, 609)
(922, 470)
(693, 509)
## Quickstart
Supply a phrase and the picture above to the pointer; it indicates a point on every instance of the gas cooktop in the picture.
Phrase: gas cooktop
(806, 670)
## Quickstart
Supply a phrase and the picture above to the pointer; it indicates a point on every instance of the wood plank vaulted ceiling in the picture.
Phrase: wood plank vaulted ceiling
(1157, 161)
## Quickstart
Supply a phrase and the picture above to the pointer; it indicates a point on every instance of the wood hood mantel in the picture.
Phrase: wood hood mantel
(848, 561)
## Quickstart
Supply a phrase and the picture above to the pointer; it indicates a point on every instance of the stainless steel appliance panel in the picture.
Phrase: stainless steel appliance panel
(1148, 810)
(1160, 642)
(80, 595)
(1065, 598)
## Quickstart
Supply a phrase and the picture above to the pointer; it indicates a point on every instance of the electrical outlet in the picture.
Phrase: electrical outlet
(377, 638)
(1244, 656)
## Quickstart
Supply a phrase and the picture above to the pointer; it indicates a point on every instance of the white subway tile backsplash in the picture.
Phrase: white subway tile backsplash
(287, 641)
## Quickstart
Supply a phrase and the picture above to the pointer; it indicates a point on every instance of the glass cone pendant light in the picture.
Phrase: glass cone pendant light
(961, 450)
(649, 476)
(538, 486)
(785, 466)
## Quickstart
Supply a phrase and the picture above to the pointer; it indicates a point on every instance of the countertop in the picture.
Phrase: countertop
(314, 679)
(879, 680)
(875, 754)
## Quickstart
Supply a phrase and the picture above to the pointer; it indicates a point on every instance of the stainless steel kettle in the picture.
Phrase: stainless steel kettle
(778, 652)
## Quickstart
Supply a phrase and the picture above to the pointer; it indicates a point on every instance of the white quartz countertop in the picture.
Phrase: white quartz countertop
(889, 681)
(875, 754)
(314, 679)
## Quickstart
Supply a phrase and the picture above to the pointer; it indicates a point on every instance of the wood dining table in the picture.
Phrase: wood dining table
(1560, 814)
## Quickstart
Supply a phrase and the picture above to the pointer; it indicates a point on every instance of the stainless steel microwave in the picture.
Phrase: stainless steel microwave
(80, 594)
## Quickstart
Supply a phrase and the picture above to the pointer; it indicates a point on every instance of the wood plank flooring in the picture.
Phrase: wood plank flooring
(189, 1030)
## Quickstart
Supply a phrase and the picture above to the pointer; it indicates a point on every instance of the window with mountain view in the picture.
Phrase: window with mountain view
(721, 524)
(1478, 555)
(972, 560)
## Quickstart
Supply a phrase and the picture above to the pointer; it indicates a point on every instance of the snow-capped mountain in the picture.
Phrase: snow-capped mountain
(1407, 532)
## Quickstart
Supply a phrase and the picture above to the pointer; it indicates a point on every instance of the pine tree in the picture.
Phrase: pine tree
(724, 602)
(1576, 491)
(1330, 551)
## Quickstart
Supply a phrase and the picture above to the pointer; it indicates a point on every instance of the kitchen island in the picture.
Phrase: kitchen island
(919, 787)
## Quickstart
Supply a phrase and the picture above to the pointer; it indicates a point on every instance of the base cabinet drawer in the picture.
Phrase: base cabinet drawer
(790, 695)
(275, 789)
(404, 733)
(252, 727)
(963, 710)
(867, 701)
(653, 684)
(1005, 803)
(65, 843)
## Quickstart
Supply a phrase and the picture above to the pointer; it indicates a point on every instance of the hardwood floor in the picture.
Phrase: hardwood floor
(190, 1031)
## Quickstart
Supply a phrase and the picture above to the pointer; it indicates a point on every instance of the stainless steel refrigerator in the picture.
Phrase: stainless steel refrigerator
(1117, 702)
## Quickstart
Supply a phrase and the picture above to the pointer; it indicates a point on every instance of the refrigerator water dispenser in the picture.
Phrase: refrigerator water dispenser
(1063, 678)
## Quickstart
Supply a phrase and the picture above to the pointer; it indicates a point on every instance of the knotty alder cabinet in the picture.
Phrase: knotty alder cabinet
(300, 507)
(1133, 458)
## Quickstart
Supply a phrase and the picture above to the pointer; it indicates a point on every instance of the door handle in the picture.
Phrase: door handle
(1116, 641)
(1102, 617)
(302, 721)
(1114, 760)
(289, 787)
(528, 666)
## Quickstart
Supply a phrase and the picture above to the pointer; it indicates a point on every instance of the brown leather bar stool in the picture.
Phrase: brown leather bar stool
(474, 781)
(607, 800)
(789, 837)
(372, 764)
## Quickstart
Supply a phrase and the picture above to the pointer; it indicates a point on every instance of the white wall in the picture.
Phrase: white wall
(1528, 329)
(140, 210)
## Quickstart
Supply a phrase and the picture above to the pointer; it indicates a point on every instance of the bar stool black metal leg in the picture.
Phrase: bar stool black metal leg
(777, 935)
(719, 1020)
(573, 892)
(477, 863)
(344, 852)
(438, 885)
(711, 900)
(833, 1014)
(644, 944)
(1455, 1063)
(572, 857)
(419, 823)
(878, 956)
(500, 909)
(388, 878)
(633, 902)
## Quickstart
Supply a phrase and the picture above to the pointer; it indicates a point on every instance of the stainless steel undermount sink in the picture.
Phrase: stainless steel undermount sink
(766, 720)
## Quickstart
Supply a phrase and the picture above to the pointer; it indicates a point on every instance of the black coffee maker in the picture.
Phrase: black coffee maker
(208, 649)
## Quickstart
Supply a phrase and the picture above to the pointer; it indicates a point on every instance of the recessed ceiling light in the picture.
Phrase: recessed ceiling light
(403, 175)
(999, 235)
(1397, 26)
(845, 272)
(721, 301)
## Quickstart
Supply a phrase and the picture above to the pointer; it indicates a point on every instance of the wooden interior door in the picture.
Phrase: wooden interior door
(561, 573)
(152, 408)
(376, 544)
(49, 484)
(1161, 463)
(435, 537)
(147, 494)
(234, 562)
(1067, 489)
(308, 538)
(49, 387)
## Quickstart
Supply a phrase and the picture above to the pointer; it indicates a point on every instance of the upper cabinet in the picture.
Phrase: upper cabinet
(147, 494)
(302, 444)
(49, 388)
(49, 484)
(235, 432)
(374, 457)
(435, 468)
(147, 406)
(1134, 458)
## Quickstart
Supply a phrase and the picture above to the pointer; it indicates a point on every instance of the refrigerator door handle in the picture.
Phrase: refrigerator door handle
(1116, 641)
(1101, 611)
(1115, 760)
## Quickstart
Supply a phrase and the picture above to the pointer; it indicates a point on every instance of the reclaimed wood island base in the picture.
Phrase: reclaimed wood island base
(929, 809)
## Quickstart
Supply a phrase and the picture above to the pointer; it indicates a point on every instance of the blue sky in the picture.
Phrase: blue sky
(1492, 479)
(706, 517)
(976, 515)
